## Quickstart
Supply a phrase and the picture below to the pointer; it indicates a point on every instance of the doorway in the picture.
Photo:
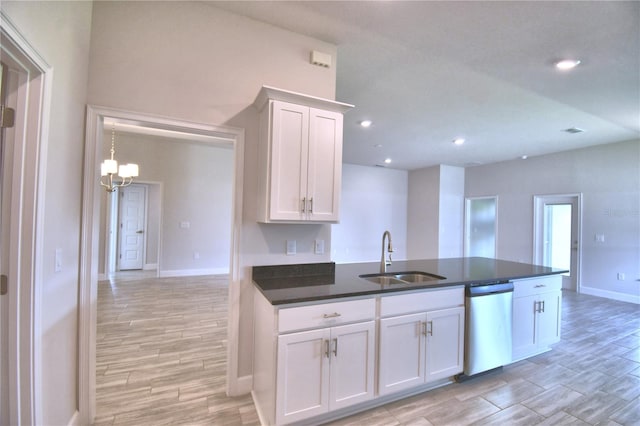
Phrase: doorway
(27, 90)
(231, 137)
(557, 235)
(481, 224)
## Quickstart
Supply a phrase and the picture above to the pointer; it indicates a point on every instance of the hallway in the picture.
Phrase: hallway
(162, 353)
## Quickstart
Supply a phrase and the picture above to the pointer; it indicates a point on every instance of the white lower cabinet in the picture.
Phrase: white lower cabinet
(421, 347)
(536, 315)
(445, 343)
(311, 360)
(325, 369)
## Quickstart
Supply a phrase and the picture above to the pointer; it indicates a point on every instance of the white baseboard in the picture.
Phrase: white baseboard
(193, 272)
(74, 421)
(623, 297)
(244, 385)
(149, 266)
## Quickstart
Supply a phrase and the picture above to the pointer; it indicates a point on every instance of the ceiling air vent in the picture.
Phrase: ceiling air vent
(573, 130)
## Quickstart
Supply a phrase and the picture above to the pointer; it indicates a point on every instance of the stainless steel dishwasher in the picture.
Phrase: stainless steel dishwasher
(488, 326)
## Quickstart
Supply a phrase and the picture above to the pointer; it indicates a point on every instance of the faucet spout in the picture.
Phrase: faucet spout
(384, 263)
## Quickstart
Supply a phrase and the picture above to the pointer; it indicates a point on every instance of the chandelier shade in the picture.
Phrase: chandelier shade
(109, 168)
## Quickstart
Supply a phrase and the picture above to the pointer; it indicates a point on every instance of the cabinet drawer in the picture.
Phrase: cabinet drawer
(421, 302)
(531, 286)
(325, 314)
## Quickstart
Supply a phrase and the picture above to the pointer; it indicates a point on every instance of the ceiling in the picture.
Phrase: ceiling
(428, 72)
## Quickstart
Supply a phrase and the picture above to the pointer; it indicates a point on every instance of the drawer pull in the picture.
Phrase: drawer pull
(333, 315)
(539, 285)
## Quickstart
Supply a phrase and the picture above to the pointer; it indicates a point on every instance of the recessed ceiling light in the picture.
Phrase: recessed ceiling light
(567, 64)
(524, 157)
(366, 123)
(387, 160)
(458, 141)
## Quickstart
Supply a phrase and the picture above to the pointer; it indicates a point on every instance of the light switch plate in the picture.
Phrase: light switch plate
(58, 260)
(319, 247)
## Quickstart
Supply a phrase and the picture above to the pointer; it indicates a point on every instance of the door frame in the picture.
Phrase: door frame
(89, 252)
(26, 245)
(538, 229)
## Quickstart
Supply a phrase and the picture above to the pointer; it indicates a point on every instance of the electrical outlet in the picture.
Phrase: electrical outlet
(319, 247)
(291, 247)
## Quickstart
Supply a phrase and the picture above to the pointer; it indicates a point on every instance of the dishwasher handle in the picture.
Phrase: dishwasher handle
(478, 290)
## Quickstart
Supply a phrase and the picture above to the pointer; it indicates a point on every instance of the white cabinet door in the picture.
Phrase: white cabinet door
(352, 364)
(548, 318)
(445, 343)
(302, 375)
(289, 153)
(524, 326)
(324, 165)
(402, 352)
(536, 323)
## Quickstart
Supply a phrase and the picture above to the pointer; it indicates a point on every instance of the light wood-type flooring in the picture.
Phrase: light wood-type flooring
(161, 360)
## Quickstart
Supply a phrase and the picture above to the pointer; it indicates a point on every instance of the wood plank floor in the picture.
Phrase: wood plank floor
(161, 360)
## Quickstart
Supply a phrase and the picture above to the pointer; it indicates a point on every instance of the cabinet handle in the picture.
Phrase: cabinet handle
(311, 205)
(424, 327)
(430, 328)
(333, 315)
(542, 306)
(536, 307)
(335, 347)
(326, 348)
(304, 205)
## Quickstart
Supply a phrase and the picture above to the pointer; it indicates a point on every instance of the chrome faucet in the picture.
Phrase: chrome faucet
(383, 262)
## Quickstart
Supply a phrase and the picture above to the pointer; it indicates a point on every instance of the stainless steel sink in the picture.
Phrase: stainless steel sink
(411, 277)
(383, 279)
(417, 277)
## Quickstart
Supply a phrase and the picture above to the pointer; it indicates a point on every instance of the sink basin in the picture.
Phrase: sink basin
(401, 277)
(382, 279)
(417, 277)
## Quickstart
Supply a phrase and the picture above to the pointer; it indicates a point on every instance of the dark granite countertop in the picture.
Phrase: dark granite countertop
(282, 284)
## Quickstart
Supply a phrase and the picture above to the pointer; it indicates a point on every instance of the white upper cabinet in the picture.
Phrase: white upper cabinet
(299, 157)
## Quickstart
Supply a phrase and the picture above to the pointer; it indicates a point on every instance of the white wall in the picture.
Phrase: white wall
(192, 61)
(374, 199)
(423, 213)
(451, 212)
(436, 212)
(608, 176)
(197, 182)
(60, 32)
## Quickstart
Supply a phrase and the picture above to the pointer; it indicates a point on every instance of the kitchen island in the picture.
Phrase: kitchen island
(329, 343)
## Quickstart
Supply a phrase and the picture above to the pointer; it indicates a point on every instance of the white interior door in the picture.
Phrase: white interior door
(557, 238)
(133, 201)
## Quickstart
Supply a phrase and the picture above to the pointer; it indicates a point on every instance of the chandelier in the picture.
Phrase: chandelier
(109, 168)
